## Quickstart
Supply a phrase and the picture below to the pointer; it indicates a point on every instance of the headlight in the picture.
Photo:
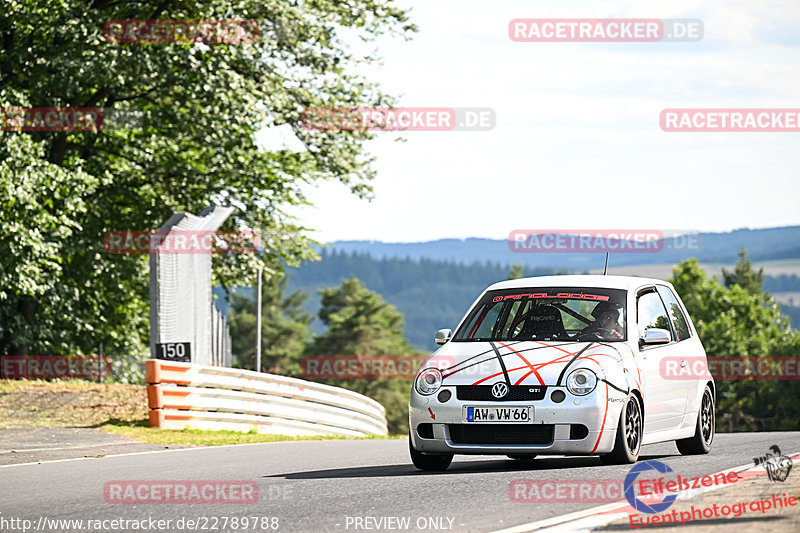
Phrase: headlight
(428, 381)
(581, 382)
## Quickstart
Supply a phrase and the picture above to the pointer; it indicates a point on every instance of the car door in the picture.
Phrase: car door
(665, 401)
(690, 347)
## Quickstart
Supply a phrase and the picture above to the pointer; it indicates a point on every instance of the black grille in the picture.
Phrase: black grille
(517, 393)
(425, 431)
(578, 432)
(501, 433)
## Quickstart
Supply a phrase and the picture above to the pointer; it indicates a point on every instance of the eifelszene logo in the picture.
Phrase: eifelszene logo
(777, 466)
(630, 495)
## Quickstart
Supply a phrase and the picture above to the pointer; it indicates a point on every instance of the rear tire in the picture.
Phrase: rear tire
(432, 463)
(628, 441)
(700, 442)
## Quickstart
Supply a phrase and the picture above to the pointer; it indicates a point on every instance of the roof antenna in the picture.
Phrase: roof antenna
(605, 270)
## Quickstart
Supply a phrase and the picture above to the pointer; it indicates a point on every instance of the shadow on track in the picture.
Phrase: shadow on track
(543, 464)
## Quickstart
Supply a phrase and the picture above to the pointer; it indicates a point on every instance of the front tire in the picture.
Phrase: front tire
(432, 463)
(628, 441)
(700, 442)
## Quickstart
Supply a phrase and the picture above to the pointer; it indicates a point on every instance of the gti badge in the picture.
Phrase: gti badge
(499, 390)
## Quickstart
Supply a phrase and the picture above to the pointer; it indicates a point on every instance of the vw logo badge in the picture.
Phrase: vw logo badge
(499, 390)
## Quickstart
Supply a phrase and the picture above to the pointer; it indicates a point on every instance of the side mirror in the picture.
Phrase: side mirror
(655, 336)
(442, 336)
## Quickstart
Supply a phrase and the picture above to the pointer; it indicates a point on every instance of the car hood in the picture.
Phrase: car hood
(526, 362)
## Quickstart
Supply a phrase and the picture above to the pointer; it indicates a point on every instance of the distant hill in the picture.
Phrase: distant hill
(433, 283)
(761, 245)
(430, 294)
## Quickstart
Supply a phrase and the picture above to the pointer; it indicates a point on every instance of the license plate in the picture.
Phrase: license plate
(492, 415)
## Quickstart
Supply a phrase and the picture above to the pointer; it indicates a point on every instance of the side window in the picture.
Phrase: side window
(487, 324)
(650, 313)
(675, 312)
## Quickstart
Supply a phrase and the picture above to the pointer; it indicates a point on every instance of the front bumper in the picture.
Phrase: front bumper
(594, 411)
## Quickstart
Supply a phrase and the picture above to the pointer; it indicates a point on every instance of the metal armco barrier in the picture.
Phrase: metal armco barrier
(191, 396)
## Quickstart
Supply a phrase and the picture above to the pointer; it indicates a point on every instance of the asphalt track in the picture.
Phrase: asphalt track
(321, 486)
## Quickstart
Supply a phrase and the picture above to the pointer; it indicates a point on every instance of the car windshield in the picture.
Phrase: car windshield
(547, 313)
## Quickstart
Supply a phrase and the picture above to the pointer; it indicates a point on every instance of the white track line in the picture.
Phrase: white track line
(188, 448)
(76, 447)
(588, 519)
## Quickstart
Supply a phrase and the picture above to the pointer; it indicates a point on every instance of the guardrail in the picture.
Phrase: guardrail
(190, 396)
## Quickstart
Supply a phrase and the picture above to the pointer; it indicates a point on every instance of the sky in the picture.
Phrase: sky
(577, 142)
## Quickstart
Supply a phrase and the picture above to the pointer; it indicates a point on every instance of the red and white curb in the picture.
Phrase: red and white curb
(595, 517)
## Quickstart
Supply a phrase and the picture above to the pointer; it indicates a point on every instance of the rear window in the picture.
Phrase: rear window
(547, 313)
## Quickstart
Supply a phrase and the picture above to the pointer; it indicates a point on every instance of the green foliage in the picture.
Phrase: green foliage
(128, 368)
(744, 276)
(517, 271)
(284, 329)
(742, 321)
(200, 108)
(360, 322)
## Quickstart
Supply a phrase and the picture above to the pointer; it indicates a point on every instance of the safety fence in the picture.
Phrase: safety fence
(191, 396)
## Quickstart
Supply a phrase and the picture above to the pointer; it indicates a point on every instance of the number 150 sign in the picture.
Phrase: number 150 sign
(174, 351)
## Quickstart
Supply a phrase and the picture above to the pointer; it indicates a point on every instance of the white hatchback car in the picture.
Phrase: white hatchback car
(570, 365)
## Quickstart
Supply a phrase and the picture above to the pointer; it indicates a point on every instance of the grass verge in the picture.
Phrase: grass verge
(119, 409)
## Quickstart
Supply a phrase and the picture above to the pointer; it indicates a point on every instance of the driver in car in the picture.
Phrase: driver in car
(606, 324)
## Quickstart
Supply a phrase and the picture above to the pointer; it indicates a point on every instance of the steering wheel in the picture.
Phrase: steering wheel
(598, 332)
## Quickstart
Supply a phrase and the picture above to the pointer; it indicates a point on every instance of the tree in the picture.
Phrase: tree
(284, 330)
(744, 276)
(517, 271)
(742, 322)
(198, 109)
(360, 322)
